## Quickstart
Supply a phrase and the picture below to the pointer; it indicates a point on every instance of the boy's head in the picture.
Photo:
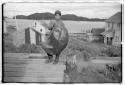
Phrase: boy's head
(57, 14)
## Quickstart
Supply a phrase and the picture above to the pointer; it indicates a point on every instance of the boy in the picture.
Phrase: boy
(57, 25)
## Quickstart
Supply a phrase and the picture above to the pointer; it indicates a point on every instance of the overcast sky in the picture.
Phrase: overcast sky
(60, 0)
(90, 10)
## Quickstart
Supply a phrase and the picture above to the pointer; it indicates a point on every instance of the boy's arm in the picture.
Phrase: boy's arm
(51, 25)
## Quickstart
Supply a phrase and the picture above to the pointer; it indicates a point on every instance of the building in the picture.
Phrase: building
(26, 36)
(112, 34)
(95, 34)
(19, 36)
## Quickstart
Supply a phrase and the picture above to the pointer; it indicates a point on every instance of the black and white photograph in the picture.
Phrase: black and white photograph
(62, 42)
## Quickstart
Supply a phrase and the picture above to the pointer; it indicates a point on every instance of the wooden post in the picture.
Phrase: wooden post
(15, 18)
(16, 22)
(5, 26)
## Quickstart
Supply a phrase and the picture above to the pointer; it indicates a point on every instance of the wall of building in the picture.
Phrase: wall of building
(32, 37)
(117, 38)
(117, 34)
(108, 26)
(105, 40)
(25, 36)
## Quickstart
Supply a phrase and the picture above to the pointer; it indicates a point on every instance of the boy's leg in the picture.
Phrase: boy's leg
(50, 58)
(56, 59)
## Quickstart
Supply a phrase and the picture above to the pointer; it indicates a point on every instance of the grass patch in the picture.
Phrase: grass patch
(113, 51)
(94, 75)
(29, 48)
(25, 48)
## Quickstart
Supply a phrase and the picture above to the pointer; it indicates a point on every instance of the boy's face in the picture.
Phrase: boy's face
(57, 16)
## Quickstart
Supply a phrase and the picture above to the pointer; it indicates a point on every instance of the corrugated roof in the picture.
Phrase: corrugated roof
(115, 18)
(97, 31)
(108, 33)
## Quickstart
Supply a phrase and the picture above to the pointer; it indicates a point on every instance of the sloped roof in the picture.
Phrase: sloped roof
(108, 33)
(97, 31)
(115, 18)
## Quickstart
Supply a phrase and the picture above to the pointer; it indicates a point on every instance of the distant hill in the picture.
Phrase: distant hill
(49, 16)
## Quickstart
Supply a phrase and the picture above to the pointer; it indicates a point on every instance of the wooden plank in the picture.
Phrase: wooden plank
(15, 62)
(25, 61)
(32, 79)
(35, 69)
(21, 68)
(23, 55)
(15, 55)
(36, 54)
(44, 69)
(33, 74)
(33, 64)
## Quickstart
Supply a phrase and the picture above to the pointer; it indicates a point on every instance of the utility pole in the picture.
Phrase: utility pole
(16, 22)
(14, 16)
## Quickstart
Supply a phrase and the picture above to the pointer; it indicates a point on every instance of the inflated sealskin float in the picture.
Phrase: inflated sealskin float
(53, 41)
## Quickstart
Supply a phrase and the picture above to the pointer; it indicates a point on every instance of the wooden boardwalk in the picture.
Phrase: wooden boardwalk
(21, 67)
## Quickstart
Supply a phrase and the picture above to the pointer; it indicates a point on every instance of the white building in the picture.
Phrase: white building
(112, 34)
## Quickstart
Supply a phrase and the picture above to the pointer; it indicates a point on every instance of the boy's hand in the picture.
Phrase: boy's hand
(57, 30)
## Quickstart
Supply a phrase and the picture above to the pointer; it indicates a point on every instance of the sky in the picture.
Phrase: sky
(90, 10)
(59, 0)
